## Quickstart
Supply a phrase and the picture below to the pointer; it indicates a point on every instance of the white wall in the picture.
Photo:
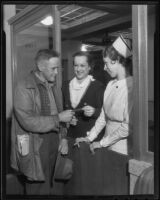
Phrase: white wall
(8, 11)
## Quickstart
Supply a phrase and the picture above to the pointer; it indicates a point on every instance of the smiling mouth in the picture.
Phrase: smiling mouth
(79, 73)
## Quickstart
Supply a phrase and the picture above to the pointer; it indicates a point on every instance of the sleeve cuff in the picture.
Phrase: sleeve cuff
(56, 122)
(103, 142)
(91, 138)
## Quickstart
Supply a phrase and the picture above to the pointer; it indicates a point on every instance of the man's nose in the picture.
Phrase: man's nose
(56, 71)
(78, 68)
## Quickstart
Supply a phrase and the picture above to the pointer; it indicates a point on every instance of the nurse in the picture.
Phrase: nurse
(116, 117)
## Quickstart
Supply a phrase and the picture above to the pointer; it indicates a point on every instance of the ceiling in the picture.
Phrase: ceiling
(93, 23)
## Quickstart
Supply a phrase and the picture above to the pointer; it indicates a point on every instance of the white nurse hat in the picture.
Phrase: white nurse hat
(123, 46)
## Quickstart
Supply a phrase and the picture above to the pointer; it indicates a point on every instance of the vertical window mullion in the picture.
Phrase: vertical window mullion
(140, 71)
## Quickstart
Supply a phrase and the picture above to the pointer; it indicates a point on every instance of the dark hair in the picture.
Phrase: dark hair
(87, 55)
(113, 54)
(45, 54)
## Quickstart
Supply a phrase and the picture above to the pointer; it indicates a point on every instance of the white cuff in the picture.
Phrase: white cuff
(90, 137)
(104, 142)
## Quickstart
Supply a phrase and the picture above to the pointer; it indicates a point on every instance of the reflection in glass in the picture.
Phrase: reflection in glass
(28, 42)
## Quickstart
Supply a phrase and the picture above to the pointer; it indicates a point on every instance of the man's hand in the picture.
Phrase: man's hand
(74, 120)
(94, 146)
(66, 115)
(63, 146)
(88, 110)
(81, 139)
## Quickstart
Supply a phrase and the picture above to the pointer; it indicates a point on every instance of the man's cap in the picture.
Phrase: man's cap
(63, 168)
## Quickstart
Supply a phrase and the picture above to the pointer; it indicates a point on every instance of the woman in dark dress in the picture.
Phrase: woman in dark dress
(85, 96)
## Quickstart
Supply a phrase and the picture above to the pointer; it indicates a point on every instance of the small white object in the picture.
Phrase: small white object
(23, 144)
(123, 46)
(47, 21)
(83, 47)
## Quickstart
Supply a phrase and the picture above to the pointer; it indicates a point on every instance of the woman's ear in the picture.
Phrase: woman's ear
(113, 61)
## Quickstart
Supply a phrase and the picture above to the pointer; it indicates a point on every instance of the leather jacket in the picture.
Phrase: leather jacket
(27, 121)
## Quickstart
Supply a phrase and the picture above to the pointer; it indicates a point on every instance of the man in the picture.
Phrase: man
(38, 125)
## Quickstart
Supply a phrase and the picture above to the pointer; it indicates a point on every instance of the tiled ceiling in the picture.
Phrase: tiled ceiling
(73, 15)
(77, 17)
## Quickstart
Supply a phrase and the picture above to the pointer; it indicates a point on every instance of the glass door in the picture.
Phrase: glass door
(33, 29)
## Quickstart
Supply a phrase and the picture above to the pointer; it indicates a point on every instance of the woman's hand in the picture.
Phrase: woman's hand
(63, 146)
(94, 145)
(88, 110)
(81, 139)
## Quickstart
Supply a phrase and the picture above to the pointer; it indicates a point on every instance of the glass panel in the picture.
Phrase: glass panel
(28, 42)
(151, 43)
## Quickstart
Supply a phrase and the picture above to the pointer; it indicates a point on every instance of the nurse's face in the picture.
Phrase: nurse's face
(81, 67)
(111, 67)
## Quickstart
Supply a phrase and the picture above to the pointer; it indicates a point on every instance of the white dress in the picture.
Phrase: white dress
(116, 115)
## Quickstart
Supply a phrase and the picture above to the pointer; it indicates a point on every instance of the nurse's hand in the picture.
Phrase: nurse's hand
(63, 146)
(88, 110)
(81, 139)
(93, 146)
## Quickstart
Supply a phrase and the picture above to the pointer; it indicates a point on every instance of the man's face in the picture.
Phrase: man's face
(81, 67)
(50, 69)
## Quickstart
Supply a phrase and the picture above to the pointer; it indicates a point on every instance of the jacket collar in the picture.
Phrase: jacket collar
(32, 81)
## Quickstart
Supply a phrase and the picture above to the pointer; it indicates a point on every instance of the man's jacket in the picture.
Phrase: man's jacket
(27, 125)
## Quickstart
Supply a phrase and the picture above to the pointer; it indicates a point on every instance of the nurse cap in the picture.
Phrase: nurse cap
(123, 46)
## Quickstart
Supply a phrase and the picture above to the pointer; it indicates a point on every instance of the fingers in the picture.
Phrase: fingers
(88, 110)
(63, 150)
(77, 144)
(92, 149)
(63, 147)
(82, 139)
(77, 141)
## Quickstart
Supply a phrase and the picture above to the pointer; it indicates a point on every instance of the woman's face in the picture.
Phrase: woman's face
(111, 67)
(81, 67)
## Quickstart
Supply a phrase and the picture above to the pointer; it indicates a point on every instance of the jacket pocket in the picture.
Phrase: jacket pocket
(23, 144)
(29, 161)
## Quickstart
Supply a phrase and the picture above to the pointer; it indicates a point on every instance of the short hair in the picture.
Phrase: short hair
(45, 54)
(113, 54)
(87, 55)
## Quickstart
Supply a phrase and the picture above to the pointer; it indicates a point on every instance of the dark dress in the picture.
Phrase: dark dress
(86, 179)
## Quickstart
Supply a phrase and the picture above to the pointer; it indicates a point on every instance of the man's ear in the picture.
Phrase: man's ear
(41, 66)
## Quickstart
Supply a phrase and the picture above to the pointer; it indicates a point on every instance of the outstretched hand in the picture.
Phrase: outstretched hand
(81, 139)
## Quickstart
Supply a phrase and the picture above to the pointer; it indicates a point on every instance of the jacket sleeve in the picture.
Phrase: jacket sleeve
(126, 127)
(99, 125)
(27, 117)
